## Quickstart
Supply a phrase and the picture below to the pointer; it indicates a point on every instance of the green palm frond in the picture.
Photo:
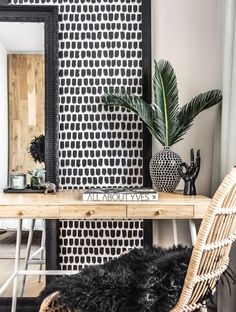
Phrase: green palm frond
(165, 100)
(164, 118)
(190, 110)
(134, 104)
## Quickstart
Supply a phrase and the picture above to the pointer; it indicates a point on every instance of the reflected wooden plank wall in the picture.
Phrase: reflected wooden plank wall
(26, 107)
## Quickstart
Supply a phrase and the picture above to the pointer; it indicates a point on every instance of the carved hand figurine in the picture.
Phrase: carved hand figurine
(190, 173)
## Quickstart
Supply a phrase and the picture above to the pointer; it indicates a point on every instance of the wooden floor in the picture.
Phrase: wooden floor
(7, 255)
(32, 287)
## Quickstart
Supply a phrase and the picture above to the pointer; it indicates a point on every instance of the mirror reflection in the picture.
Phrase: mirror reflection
(22, 58)
(22, 119)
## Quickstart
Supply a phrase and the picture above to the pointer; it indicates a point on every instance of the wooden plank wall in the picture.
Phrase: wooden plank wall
(26, 107)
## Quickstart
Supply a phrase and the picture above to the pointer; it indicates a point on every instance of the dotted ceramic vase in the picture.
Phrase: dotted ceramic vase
(164, 170)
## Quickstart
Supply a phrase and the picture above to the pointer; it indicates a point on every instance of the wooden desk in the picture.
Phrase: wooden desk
(69, 205)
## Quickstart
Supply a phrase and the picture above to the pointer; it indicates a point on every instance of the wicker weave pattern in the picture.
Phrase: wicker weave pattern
(50, 304)
(210, 255)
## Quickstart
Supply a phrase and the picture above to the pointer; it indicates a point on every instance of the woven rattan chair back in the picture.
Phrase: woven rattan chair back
(50, 304)
(210, 256)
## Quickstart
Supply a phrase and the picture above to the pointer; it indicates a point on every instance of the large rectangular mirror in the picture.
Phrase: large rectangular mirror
(23, 93)
(28, 109)
(22, 79)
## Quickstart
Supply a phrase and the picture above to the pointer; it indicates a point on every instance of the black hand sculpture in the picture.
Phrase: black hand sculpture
(190, 173)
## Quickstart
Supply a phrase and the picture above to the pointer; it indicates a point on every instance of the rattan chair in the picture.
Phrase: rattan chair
(50, 304)
(210, 256)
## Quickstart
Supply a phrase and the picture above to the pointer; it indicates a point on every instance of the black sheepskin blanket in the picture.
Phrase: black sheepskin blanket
(144, 280)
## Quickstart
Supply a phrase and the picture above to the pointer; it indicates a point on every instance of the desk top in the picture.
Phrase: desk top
(68, 204)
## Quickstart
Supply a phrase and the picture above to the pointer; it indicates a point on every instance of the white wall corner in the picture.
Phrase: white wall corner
(3, 118)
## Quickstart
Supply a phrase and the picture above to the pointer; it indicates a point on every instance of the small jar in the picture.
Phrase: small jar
(18, 181)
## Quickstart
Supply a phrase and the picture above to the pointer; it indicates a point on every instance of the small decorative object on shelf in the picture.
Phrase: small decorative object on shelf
(37, 147)
(190, 173)
(18, 181)
(165, 120)
(120, 194)
(37, 178)
(49, 187)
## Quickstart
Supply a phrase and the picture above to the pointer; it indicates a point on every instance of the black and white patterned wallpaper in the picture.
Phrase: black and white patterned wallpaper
(86, 242)
(100, 50)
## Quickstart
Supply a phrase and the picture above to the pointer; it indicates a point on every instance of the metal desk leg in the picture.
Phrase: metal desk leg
(28, 248)
(42, 246)
(175, 232)
(17, 262)
(193, 231)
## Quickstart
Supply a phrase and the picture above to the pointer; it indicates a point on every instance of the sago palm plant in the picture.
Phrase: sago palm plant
(165, 119)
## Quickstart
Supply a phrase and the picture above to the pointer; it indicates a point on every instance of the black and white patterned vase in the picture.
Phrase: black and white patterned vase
(164, 170)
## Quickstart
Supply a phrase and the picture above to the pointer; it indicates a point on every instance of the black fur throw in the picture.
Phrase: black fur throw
(144, 280)
(37, 147)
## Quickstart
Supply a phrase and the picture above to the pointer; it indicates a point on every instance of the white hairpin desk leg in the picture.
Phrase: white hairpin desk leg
(17, 262)
(27, 255)
(175, 232)
(42, 252)
(193, 231)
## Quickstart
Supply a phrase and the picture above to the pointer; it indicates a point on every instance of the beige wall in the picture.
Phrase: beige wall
(187, 33)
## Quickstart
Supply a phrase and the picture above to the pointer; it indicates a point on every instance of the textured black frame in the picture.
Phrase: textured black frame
(49, 16)
(147, 85)
(147, 96)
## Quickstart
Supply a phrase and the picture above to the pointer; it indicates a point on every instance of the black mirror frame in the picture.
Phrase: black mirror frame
(49, 16)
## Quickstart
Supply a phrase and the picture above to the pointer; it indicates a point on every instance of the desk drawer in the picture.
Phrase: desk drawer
(160, 212)
(93, 212)
(41, 212)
